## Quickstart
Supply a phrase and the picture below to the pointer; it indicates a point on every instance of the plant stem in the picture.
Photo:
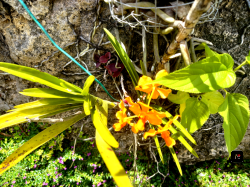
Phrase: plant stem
(225, 90)
(197, 9)
(185, 53)
(151, 95)
(144, 48)
(193, 56)
(131, 117)
(242, 64)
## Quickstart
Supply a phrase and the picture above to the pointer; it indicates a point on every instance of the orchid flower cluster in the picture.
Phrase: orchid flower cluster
(144, 112)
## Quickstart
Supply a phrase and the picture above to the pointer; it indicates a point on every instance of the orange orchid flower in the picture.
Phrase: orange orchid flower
(145, 113)
(145, 85)
(165, 134)
(122, 116)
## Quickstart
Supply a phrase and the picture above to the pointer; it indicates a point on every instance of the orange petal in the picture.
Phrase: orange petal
(119, 115)
(164, 92)
(140, 125)
(119, 126)
(144, 84)
(129, 100)
(166, 127)
(150, 133)
(144, 107)
(135, 130)
(155, 94)
(155, 117)
(135, 109)
(170, 142)
(121, 105)
(161, 73)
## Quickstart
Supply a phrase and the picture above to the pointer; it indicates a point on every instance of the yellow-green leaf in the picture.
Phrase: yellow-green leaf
(86, 105)
(182, 108)
(182, 140)
(157, 145)
(21, 116)
(158, 148)
(195, 115)
(113, 164)
(175, 159)
(178, 98)
(98, 115)
(87, 84)
(37, 141)
(34, 75)
(213, 100)
(47, 101)
(49, 93)
(179, 126)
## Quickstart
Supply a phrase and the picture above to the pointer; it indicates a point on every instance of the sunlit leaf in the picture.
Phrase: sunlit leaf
(182, 108)
(37, 141)
(235, 113)
(213, 100)
(49, 93)
(179, 126)
(175, 159)
(158, 148)
(47, 101)
(179, 136)
(21, 116)
(108, 155)
(124, 58)
(113, 164)
(178, 98)
(86, 105)
(208, 51)
(34, 75)
(195, 115)
(87, 84)
(98, 115)
(207, 75)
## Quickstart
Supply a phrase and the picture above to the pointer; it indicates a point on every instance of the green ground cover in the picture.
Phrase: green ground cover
(56, 164)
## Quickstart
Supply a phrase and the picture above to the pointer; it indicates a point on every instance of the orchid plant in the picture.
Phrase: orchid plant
(204, 78)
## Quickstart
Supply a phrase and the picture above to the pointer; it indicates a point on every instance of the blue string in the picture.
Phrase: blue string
(70, 57)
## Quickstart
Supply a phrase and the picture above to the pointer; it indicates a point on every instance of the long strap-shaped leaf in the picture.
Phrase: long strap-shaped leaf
(47, 101)
(34, 75)
(113, 164)
(49, 93)
(176, 123)
(37, 141)
(85, 92)
(175, 159)
(180, 127)
(99, 115)
(124, 58)
(20, 116)
(183, 141)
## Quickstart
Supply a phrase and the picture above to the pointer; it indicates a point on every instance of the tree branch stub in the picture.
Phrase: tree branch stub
(185, 28)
